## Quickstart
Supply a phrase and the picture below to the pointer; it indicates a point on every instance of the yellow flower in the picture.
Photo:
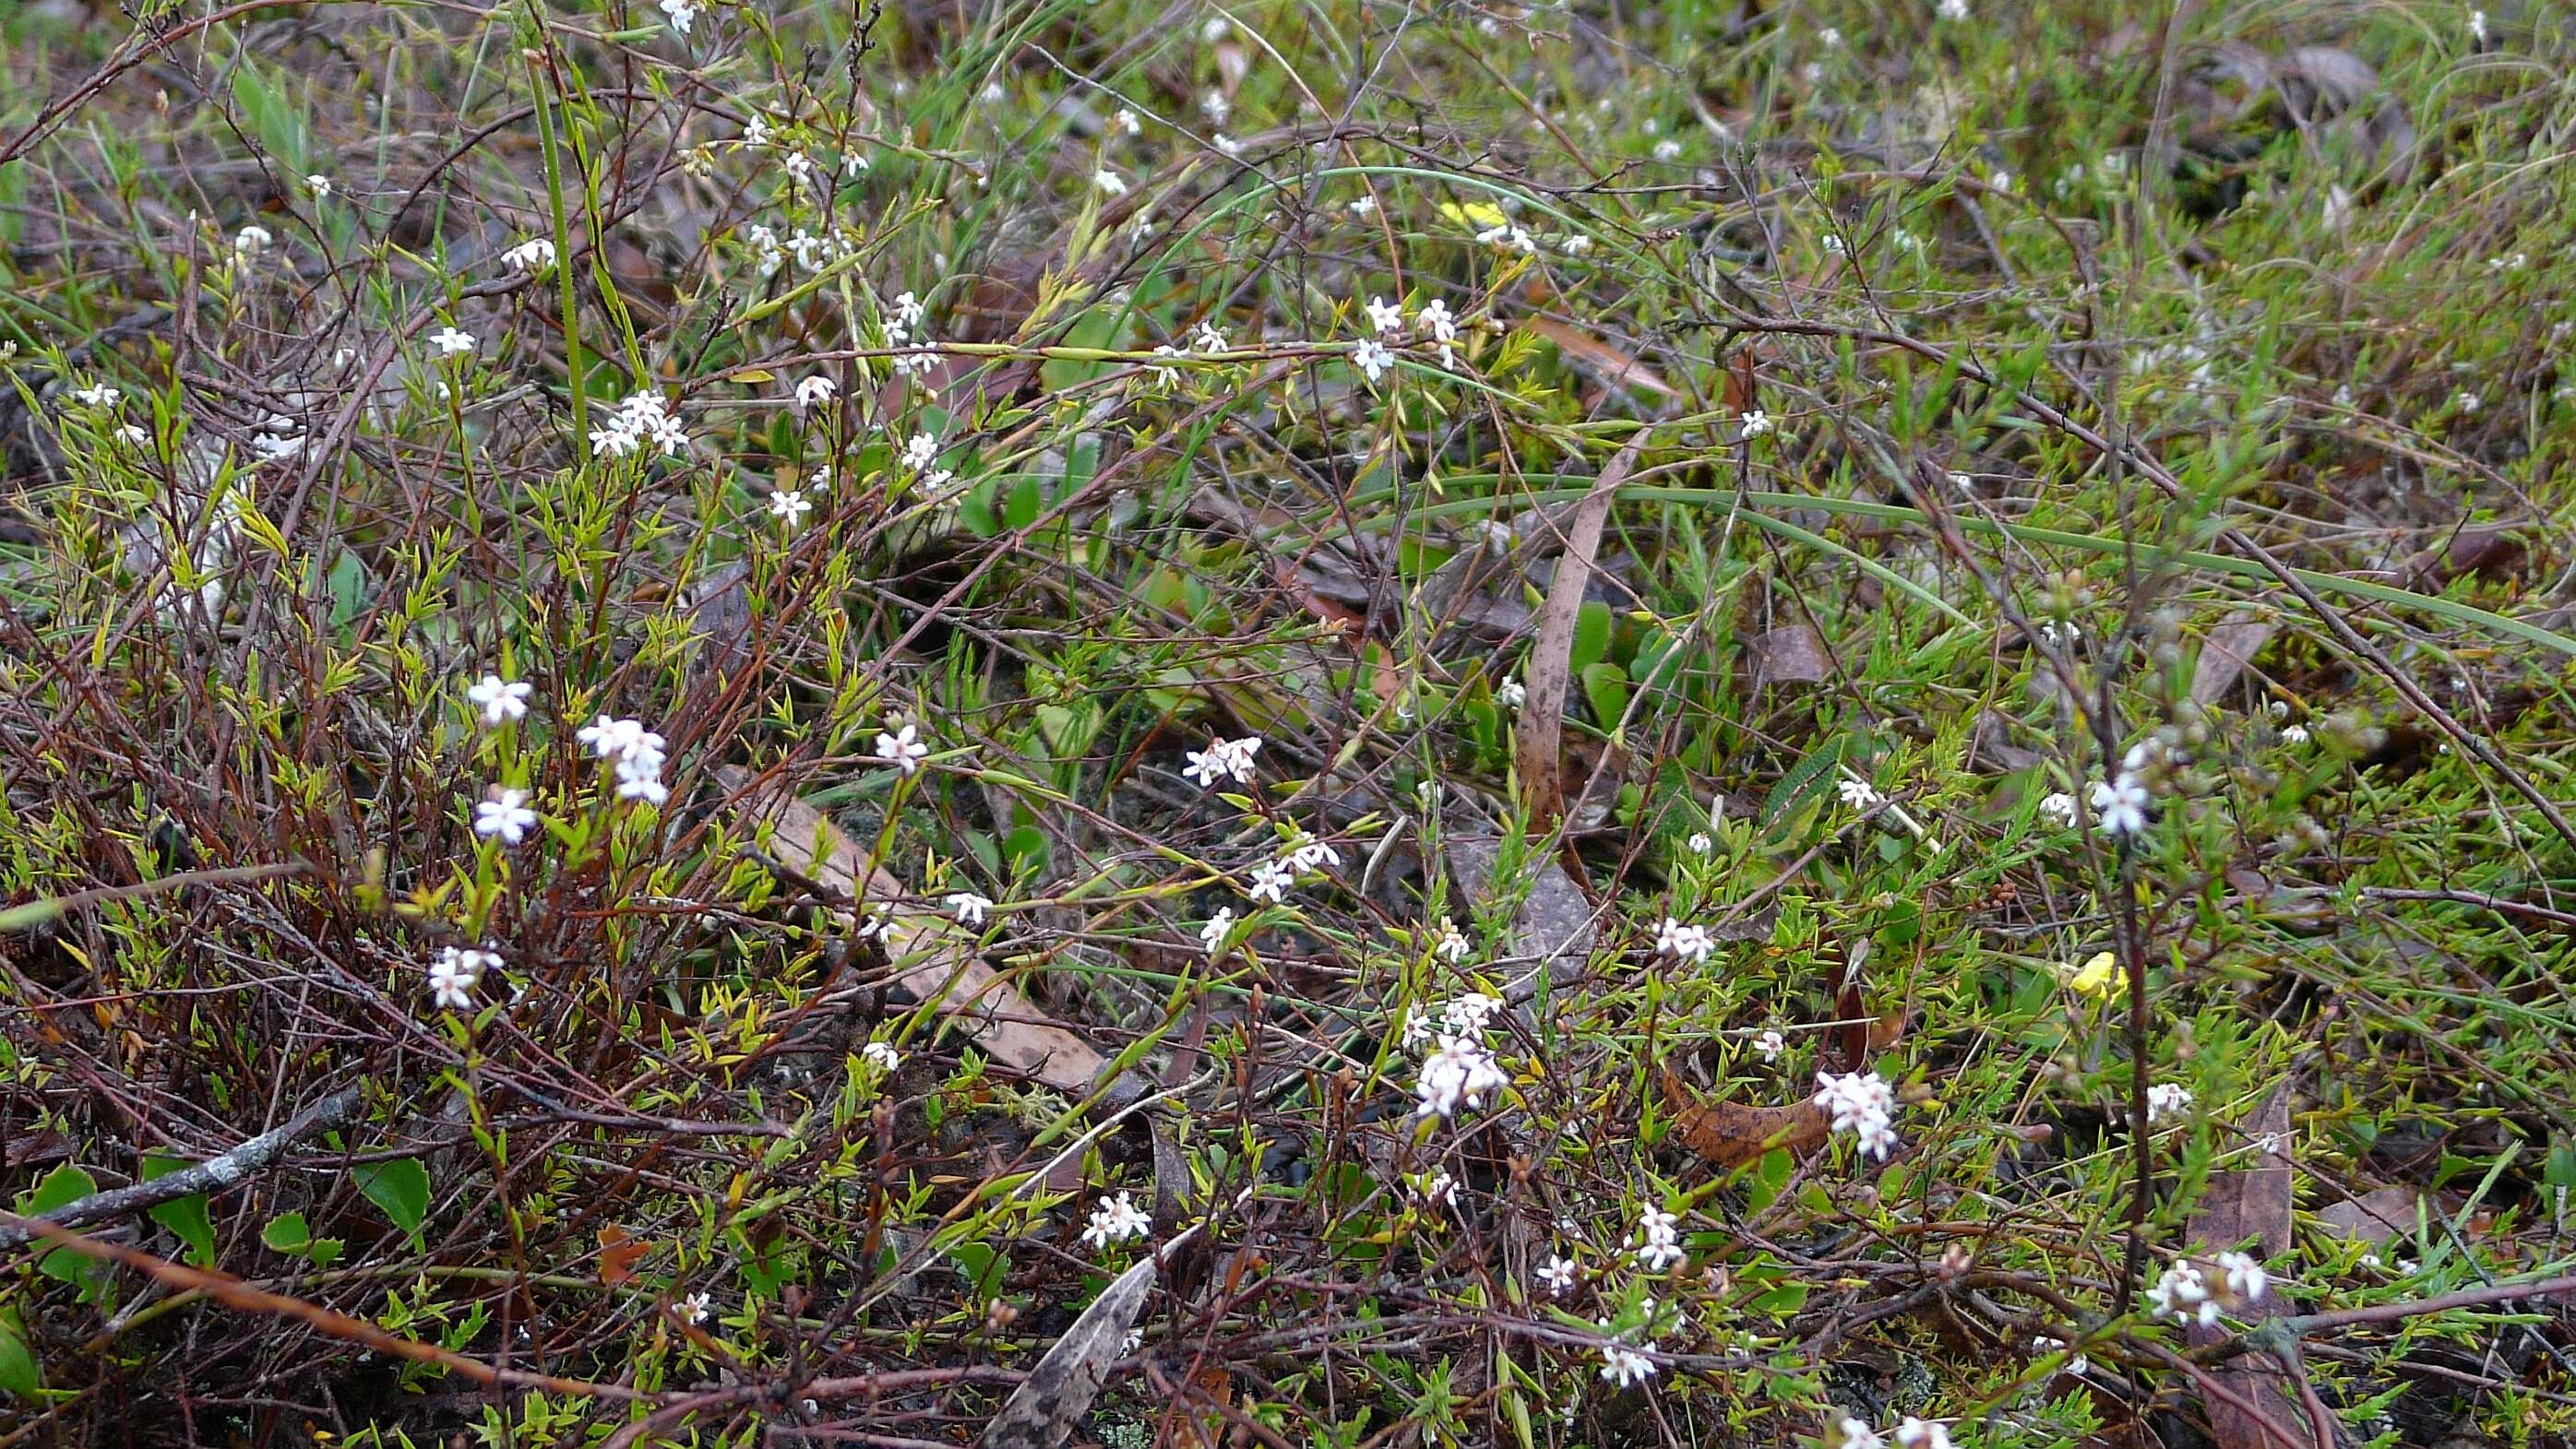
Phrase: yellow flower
(2100, 976)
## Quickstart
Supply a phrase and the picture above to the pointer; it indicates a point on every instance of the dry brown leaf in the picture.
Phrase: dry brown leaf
(618, 1255)
(1731, 1134)
(2374, 1217)
(2231, 647)
(1042, 1412)
(1552, 929)
(936, 960)
(1539, 749)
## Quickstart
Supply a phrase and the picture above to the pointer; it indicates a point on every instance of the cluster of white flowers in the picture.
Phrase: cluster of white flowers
(2059, 807)
(456, 972)
(531, 256)
(1223, 759)
(2183, 1295)
(644, 416)
(1459, 1074)
(98, 395)
(809, 251)
(1684, 941)
(969, 908)
(500, 700)
(881, 1055)
(1463, 1019)
(250, 241)
(902, 747)
(1116, 1220)
(634, 751)
(1505, 237)
(1912, 1433)
(683, 13)
(506, 815)
(2167, 1099)
(1511, 694)
(1659, 1245)
(1862, 1104)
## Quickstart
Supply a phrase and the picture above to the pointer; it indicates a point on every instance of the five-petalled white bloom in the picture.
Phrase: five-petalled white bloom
(968, 907)
(501, 700)
(506, 816)
(452, 341)
(1116, 1220)
(903, 748)
(455, 973)
(1861, 1103)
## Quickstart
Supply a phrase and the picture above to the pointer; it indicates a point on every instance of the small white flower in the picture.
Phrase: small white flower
(1753, 424)
(1830, 38)
(1109, 182)
(1924, 1433)
(2245, 1277)
(2059, 807)
(1372, 359)
(1440, 1190)
(452, 341)
(1658, 1241)
(1857, 794)
(814, 392)
(2478, 26)
(789, 506)
(1699, 843)
(1511, 694)
(1623, 1367)
(619, 740)
(694, 1308)
(2468, 402)
(920, 451)
(506, 816)
(902, 749)
(533, 255)
(874, 925)
(98, 395)
(968, 907)
(1668, 149)
(455, 974)
(1270, 882)
(1557, 1275)
(1361, 205)
(1685, 942)
(1770, 1044)
(881, 1055)
(318, 184)
(1952, 9)
(2120, 805)
(1116, 1220)
(683, 13)
(1384, 316)
(755, 134)
(1219, 927)
(1223, 759)
(250, 241)
(501, 700)
(2167, 1099)
(1215, 107)
(1452, 946)
(1857, 1435)
(1127, 123)
(1304, 853)
(2294, 734)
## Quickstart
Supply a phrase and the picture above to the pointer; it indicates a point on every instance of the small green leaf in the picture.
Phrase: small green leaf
(400, 1187)
(186, 1217)
(19, 1374)
(1606, 685)
(1591, 635)
(65, 1185)
(1024, 505)
(287, 1233)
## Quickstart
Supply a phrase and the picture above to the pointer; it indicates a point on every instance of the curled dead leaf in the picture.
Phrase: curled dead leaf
(1731, 1134)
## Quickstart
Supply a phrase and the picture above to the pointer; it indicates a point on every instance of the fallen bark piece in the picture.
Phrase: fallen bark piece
(1042, 1412)
(1732, 1134)
(935, 960)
